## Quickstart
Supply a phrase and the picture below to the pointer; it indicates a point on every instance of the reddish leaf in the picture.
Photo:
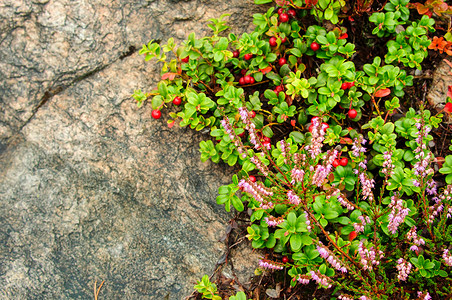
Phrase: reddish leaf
(449, 91)
(169, 76)
(310, 3)
(352, 235)
(343, 36)
(292, 122)
(266, 70)
(382, 92)
(448, 107)
(171, 123)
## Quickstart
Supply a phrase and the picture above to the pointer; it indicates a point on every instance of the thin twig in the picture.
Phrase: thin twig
(97, 290)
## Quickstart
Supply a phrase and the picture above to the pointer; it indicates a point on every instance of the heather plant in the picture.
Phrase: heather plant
(373, 235)
(342, 194)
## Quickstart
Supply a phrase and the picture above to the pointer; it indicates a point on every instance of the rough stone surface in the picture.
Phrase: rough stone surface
(48, 45)
(442, 79)
(91, 188)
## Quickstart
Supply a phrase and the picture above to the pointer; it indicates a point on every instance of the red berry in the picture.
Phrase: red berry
(352, 235)
(352, 113)
(236, 53)
(325, 126)
(336, 163)
(266, 139)
(350, 84)
(311, 127)
(343, 161)
(285, 259)
(266, 145)
(292, 13)
(156, 114)
(248, 56)
(247, 79)
(283, 40)
(252, 114)
(252, 81)
(243, 72)
(315, 46)
(279, 89)
(185, 59)
(280, 10)
(272, 41)
(282, 61)
(293, 123)
(177, 100)
(345, 85)
(252, 178)
(283, 17)
(242, 81)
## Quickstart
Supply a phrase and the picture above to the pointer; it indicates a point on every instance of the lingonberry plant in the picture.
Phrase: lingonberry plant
(343, 190)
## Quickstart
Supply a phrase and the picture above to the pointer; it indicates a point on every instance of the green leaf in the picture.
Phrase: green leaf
(292, 219)
(237, 203)
(297, 137)
(306, 239)
(331, 214)
(295, 242)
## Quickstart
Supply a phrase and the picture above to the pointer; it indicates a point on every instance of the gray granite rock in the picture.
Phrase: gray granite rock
(48, 45)
(91, 188)
(442, 79)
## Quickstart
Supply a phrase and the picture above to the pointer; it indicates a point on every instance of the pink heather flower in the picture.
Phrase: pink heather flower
(285, 150)
(259, 186)
(234, 138)
(308, 222)
(273, 222)
(266, 205)
(431, 187)
(367, 186)
(303, 279)
(267, 264)
(249, 125)
(249, 187)
(445, 197)
(331, 258)
(319, 176)
(447, 257)
(412, 235)
(321, 279)
(257, 191)
(357, 147)
(369, 256)
(364, 298)
(388, 166)
(345, 297)
(397, 215)
(331, 156)
(404, 269)
(341, 199)
(422, 167)
(263, 168)
(423, 296)
(297, 175)
(359, 227)
(315, 148)
(293, 198)
(299, 158)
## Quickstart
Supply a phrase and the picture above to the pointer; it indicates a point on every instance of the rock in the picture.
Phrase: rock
(442, 79)
(47, 46)
(244, 260)
(91, 187)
